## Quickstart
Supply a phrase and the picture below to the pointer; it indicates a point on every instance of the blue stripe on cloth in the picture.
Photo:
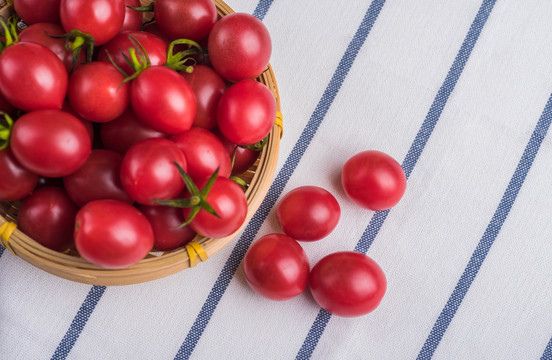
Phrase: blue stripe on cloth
(262, 8)
(490, 234)
(1, 251)
(75, 329)
(280, 181)
(416, 149)
(547, 355)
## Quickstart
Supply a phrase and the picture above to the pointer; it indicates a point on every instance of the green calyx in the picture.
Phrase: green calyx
(147, 8)
(138, 59)
(197, 200)
(10, 32)
(76, 41)
(258, 146)
(182, 60)
(6, 124)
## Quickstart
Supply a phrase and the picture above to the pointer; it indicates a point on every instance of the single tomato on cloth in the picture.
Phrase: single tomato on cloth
(276, 267)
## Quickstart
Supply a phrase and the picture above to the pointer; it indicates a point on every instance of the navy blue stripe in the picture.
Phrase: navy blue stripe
(416, 149)
(2, 251)
(547, 355)
(75, 329)
(279, 182)
(488, 238)
(262, 9)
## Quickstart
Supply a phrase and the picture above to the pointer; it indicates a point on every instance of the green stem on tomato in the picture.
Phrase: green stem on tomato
(178, 61)
(147, 8)
(5, 130)
(76, 40)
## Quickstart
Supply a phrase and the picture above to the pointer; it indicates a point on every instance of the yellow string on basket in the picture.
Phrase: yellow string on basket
(279, 122)
(6, 231)
(195, 250)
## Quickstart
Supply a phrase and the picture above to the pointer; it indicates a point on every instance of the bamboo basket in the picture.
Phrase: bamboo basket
(157, 264)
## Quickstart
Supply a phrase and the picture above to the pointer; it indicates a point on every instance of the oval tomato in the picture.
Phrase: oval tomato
(50, 143)
(246, 112)
(239, 47)
(37, 11)
(276, 267)
(308, 213)
(373, 180)
(200, 17)
(48, 216)
(165, 221)
(112, 234)
(347, 283)
(16, 181)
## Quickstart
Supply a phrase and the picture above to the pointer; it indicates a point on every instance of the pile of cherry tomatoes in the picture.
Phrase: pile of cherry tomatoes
(120, 136)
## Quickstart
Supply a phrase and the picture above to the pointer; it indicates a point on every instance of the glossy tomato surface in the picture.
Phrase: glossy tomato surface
(48, 216)
(276, 267)
(165, 221)
(373, 180)
(200, 17)
(347, 283)
(112, 234)
(308, 213)
(243, 157)
(50, 143)
(16, 181)
(239, 47)
(148, 171)
(133, 18)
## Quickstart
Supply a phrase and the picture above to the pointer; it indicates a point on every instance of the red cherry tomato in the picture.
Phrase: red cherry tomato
(102, 19)
(347, 284)
(42, 33)
(97, 93)
(99, 178)
(244, 157)
(373, 180)
(229, 202)
(87, 123)
(200, 17)
(208, 88)
(148, 171)
(133, 18)
(204, 153)
(308, 213)
(276, 267)
(239, 47)
(165, 221)
(50, 143)
(120, 134)
(163, 100)
(16, 182)
(37, 11)
(246, 112)
(48, 216)
(112, 234)
(155, 47)
(32, 77)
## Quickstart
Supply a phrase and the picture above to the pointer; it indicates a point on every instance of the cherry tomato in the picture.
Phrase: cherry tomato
(50, 143)
(276, 267)
(200, 17)
(148, 171)
(133, 18)
(42, 33)
(373, 180)
(97, 93)
(239, 47)
(165, 221)
(99, 178)
(308, 213)
(246, 112)
(244, 157)
(36, 11)
(16, 182)
(112, 234)
(208, 88)
(347, 283)
(48, 216)
(229, 202)
(163, 100)
(32, 77)
(120, 134)
(155, 47)
(102, 19)
(87, 123)
(204, 153)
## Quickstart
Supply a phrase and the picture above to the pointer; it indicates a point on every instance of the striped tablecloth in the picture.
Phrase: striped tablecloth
(459, 92)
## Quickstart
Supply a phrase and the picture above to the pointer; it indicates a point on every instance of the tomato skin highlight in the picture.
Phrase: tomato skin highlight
(373, 180)
(276, 267)
(16, 181)
(112, 234)
(347, 284)
(48, 216)
(308, 213)
(50, 143)
(163, 100)
(32, 77)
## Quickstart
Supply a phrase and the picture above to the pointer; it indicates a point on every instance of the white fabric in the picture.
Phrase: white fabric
(426, 241)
